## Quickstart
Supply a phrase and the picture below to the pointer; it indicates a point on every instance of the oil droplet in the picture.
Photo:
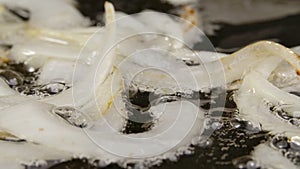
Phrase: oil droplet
(295, 143)
(203, 142)
(54, 88)
(245, 162)
(12, 78)
(243, 125)
(279, 142)
(72, 115)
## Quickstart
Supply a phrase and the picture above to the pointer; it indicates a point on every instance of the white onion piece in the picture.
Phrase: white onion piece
(150, 29)
(5, 89)
(21, 52)
(128, 25)
(10, 100)
(263, 59)
(156, 69)
(144, 32)
(42, 14)
(284, 76)
(105, 95)
(206, 56)
(186, 113)
(102, 64)
(17, 154)
(98, 94)
(62, 99)
(83, 92)
(11, 33)
(263, 89)
(30, 42)
(115, 116)
(44, 22)
(71, 45)
(34, 122)
(251, 98)
(72, 36)
(270, 158)
(11, 165)
(177, 124)
(55, 69)
(252, 56)
(163, 24)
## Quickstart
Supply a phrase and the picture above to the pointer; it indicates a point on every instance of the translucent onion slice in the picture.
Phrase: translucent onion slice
(284, 76)
(72, 36)
(22, 52)
(256, 93)
(56, 69)
(178, 123)
(102, 65)
(11, 165)
(16, 154)
(35, 122)
(252, 56)
(270, 158)
(10, 100)
(5, 90)
(64, 16)
(252, 101)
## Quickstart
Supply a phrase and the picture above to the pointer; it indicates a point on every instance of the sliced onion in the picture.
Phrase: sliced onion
(252, 99)
(49, 50)
(178, 124)
(16, 154)
(43, 15)
(35, 122)
(253, 57)
(55, 69)
(270, 158)
(5, 90)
